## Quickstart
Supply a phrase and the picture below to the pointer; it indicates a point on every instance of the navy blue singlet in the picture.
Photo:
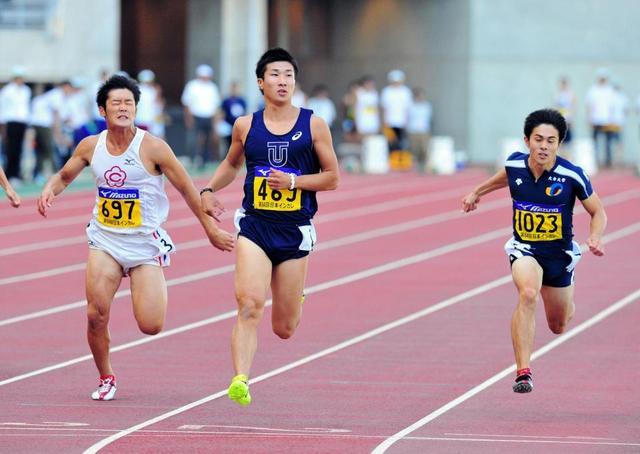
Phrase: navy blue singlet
(291, 153)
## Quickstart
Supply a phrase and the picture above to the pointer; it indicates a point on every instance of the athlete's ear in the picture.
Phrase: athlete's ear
(526, 141)
(102, 111)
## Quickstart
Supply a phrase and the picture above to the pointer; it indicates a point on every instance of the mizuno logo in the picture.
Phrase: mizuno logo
(264, 172)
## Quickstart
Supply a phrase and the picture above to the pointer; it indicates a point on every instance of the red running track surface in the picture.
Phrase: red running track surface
(404, 344)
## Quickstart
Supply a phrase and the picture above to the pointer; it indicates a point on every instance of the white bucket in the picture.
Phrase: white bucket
(375, 154)
(584, 155)
(442, 156)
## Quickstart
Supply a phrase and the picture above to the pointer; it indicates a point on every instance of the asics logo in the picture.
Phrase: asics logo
(297, 135)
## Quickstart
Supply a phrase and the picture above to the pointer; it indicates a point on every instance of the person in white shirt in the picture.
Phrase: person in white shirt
(150, 114)
(201, 100)
(63, 129)
(599, 103)
(395, 100)
(619, 111)
(125, 235)
(565, 103)
(299, 97)
(419, 128)
(367, 112)
(42, 119)
(322, 105)
(15, 99)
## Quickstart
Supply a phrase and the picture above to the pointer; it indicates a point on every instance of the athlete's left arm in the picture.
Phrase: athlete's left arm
(166, 161)
(328, 178)
(593, 206)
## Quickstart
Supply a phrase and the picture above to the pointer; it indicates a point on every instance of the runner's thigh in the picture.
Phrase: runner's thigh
(287, 285)
(148, 294)
(103, 278)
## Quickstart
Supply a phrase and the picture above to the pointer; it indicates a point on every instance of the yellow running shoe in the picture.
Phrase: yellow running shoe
(239, 390)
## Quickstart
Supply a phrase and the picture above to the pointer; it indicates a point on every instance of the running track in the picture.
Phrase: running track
(404, 345)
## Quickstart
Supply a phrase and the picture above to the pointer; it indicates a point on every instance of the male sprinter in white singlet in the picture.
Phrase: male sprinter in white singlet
(125, 237)
(543, 256)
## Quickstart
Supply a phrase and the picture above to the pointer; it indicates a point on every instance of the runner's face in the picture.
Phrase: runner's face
(121, 108)
(543, 144)
(278, 82)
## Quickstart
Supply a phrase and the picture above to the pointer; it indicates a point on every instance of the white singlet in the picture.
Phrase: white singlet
(129, 199)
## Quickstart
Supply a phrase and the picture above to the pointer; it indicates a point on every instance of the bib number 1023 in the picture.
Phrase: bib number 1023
(536, 226)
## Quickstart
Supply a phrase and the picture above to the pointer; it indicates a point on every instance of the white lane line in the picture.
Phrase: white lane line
(334, 216)
(300, 434)
(355, 340)
(191, 220)
(121, 293)
(338, 242)
(339, 215)
(350, 239)
(567, 437)
(49, 244)
(629, 230)
(615, 307)
(521, 441)
(372, 333)
(307, 359)
(407, 261)
(43, 274)
(175, 199)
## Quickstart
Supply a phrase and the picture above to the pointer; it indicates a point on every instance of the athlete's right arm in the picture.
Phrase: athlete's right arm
(80, 159)
(498, 181)
(228, 168)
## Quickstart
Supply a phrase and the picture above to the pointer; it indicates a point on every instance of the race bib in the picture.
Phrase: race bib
(537, 222)
(119, 208)
(265, 198)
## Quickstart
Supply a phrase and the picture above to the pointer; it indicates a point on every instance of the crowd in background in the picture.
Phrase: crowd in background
(607, 107)
(52, 119)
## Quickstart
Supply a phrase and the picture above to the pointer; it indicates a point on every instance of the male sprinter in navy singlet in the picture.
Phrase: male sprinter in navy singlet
(542, 252)
(289, 157)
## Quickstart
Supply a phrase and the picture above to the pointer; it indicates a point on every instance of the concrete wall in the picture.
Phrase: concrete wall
(242, 45)
(80, 40)
(204, 36)
(484, 64)
(428, 39)
(519, 50)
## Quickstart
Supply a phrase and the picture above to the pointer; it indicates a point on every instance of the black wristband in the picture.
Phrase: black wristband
(203, 190)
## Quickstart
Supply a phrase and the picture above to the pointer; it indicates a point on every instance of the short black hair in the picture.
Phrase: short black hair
(114, 83)
(272, 55)
(545, 117)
